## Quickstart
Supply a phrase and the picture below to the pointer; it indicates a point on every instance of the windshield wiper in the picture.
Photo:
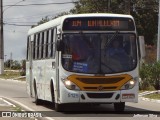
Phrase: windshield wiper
(112, 38)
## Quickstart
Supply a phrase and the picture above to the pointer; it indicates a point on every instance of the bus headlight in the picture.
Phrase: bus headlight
(70, 85)
(129, 85)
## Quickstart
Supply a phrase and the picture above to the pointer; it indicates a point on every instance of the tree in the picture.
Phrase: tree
(16, 65)
(99, 6)
(43, 20)
(23, 70)
(61, 14)
(8, 63)
(145, 13)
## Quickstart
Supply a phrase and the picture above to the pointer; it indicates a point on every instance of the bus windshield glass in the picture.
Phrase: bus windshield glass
(99, 53)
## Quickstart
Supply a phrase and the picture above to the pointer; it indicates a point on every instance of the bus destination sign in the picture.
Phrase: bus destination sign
(101, 23)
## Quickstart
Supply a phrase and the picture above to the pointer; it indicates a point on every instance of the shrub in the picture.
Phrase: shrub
(150, 75)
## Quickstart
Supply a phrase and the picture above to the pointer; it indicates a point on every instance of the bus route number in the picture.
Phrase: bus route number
(73, 95)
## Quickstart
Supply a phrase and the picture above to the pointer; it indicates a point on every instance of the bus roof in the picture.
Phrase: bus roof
(58, 21)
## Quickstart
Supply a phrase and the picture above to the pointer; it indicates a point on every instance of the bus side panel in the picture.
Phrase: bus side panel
(39, 76)
(50, 75)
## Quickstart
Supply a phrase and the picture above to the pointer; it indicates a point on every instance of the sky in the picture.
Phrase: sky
(15, 37)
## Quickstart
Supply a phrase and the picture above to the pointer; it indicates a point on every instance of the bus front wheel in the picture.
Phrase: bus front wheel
(59, 107)
(119, 106)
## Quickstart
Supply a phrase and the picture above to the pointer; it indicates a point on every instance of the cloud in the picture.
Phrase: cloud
(15, 38)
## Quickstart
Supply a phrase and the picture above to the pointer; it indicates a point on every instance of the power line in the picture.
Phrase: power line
(62, 3)
(13, 5)
(39, 15)
(17, 24)
(21, 22)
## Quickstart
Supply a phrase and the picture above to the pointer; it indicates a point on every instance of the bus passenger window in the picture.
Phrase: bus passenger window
(49, 43)
(47, 33)
(42, 44)
(52, 43)
(34, 46)
(38, 42)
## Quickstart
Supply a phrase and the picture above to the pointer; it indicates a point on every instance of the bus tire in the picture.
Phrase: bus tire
(37, 101)
(59, 107)
(119, 106)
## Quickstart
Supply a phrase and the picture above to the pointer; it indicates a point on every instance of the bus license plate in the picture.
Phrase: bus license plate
(128, 96)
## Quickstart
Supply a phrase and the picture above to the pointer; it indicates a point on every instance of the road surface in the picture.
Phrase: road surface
(17, 92)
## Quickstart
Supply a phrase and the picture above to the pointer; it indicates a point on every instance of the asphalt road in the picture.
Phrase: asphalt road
(17, 92)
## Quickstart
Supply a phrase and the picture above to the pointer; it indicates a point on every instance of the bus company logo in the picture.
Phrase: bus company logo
(100, 88)
(6, 114)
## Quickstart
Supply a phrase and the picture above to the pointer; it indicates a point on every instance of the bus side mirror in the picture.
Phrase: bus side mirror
(142, 47)
(60, 45)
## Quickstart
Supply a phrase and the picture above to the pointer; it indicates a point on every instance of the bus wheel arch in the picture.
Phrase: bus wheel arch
(58, 107)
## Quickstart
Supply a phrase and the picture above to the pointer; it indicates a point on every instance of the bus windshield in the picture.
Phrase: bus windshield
(99, 53)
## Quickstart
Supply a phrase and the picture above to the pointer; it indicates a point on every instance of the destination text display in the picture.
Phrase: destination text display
(102, 23)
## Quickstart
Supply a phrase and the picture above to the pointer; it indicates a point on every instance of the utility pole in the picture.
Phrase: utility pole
(127, 6)
(109, 4)
(158, 39)
(1, 39)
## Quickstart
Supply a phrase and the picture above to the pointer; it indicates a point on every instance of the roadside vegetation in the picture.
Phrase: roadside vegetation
(150, 71)
(153, 96)
(14, 70)
(12, 74)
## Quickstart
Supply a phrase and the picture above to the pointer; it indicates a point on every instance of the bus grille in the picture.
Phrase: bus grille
(97, 88)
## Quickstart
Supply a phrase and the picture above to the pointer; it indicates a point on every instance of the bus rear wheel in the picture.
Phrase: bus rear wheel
(119, 106)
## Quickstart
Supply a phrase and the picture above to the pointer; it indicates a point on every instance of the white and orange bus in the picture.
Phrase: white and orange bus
(84, 58)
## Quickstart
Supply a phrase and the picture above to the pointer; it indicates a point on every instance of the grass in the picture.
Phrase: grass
(17, 109)
(10, 75)
(153, 96)
(21, 79)
(140, 91)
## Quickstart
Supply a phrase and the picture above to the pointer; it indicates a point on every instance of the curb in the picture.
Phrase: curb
(147, 93)
(149, 100)
(140, 95)
(13, 80)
